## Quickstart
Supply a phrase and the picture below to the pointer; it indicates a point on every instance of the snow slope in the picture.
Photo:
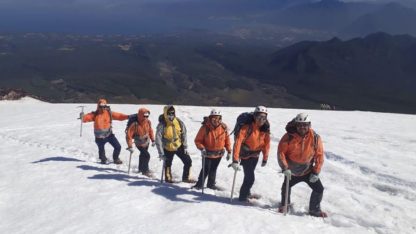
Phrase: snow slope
(50, 181)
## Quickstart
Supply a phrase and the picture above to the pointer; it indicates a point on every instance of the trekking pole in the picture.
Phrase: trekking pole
(163, 169)
(203, 172)
(82, 110)
(286, 195)
(128, 170)
(232, 187)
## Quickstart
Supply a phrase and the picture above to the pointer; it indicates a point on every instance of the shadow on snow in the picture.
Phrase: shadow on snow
(59, 159)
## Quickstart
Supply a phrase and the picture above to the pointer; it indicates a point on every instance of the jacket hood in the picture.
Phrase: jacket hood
(140, 114)
(166, 109)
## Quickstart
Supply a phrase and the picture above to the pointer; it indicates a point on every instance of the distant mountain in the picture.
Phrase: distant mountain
(135, 69)
(372, 73)
(392, 18)
(327, 15)
(377, 72)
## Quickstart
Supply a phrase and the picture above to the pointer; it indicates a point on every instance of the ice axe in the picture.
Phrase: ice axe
(128, 170)
(232, 187)
(203, 172)
(286, 195)
(163, 170)
(80, 118)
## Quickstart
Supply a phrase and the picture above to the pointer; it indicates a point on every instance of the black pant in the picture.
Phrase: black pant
(211, 165)
(249, 165)
(316, 195)
(186, 160)
(113, 142)
(144, 158)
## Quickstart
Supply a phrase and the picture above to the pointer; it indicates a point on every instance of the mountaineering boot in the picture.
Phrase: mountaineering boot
(117, 161)
(197, 187)
(190, 181)
(214, 187)
(148, 174)
(254, 196)
(318, 214)
(281, 208)
(168, 175)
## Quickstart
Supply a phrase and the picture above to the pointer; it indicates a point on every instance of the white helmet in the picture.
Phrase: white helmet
(215, 112)
(260, 109)
(302, 118)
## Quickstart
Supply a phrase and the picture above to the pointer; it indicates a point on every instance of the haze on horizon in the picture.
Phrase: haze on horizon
(137, 16)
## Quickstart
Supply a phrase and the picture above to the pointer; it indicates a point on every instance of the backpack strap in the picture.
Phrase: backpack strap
(249, 132)
(111, 117)
(315, 139)
(207, 130)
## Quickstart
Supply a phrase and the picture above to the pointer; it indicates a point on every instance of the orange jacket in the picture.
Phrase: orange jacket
(212, 139)
(140, 131)
(298, 154)
(102, 121)
(257, 141)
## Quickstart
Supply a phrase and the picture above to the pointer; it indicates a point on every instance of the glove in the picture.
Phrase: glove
(235, 166)
(263, 163)
(81, 115)
(228, 156)
(288, 173)
(153, 144)
(130, 149)
(203, 153)
(162, 157)
(313, 178)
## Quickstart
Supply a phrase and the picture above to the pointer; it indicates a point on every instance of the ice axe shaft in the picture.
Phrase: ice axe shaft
(232, 187)
(163, 170)
(286, 195)
(203, 172)
(128, 170)
(80, 130)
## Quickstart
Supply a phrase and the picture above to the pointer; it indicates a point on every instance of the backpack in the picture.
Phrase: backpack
(248, 118)
(163, 121)
(132, 119)
(291, 129)
(207, 129)
(111, 117)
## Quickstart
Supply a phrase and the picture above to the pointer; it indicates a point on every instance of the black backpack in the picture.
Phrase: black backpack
(248, 118)
(132, 119)
(291, 129)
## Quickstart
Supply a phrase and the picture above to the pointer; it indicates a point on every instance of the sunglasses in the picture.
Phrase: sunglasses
(303, 125)
(261, 117)
(146, 116)
(171, 113)
(103, 106)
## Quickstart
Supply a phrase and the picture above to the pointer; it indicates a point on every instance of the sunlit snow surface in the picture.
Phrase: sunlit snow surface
(50, 181)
